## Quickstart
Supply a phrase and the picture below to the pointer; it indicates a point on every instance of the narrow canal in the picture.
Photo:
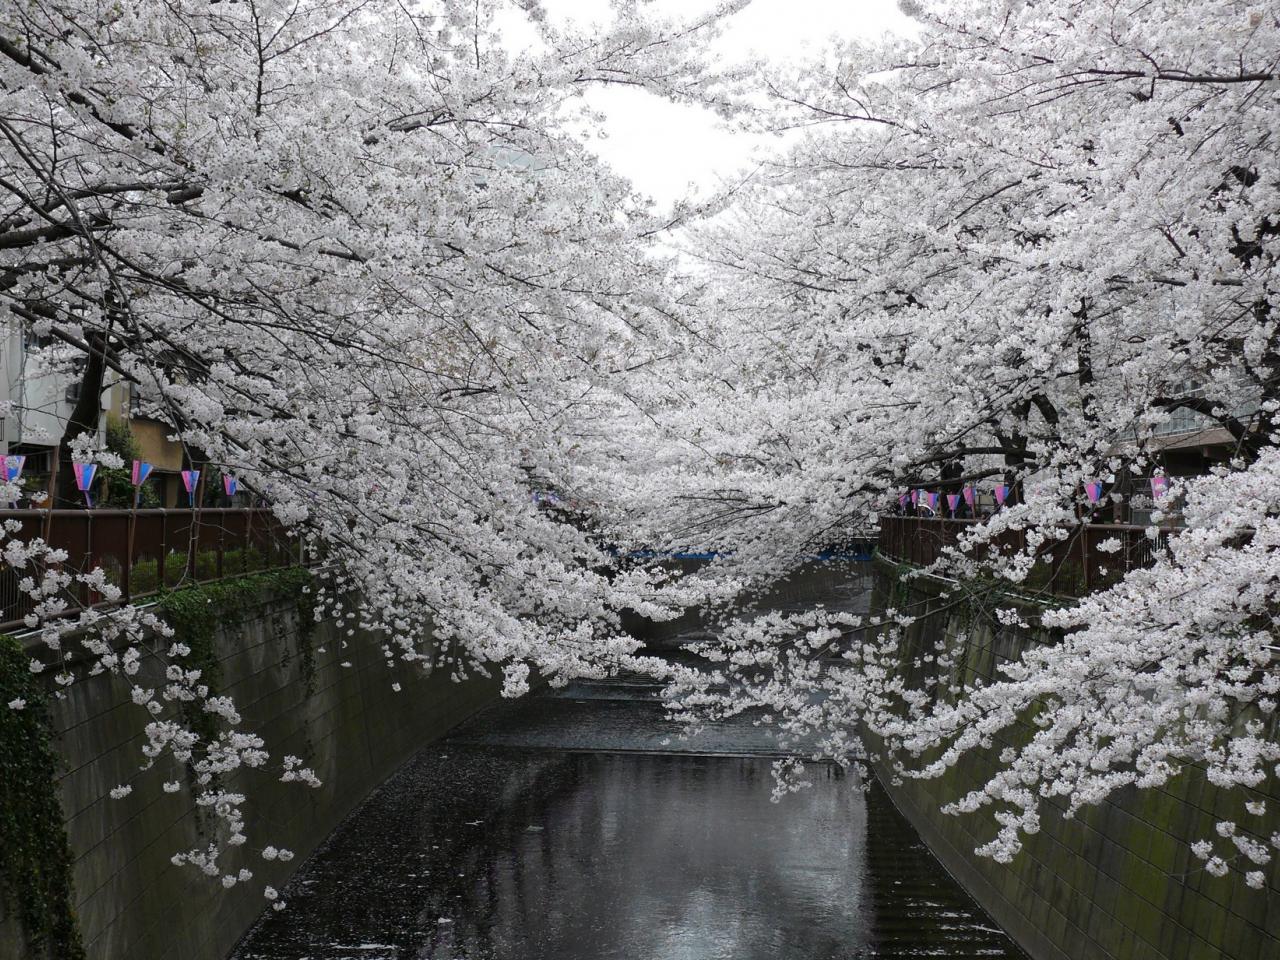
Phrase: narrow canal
(577, 825)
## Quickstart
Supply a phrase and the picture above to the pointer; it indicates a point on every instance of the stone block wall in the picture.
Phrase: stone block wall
(313, 693)
(1118, 881)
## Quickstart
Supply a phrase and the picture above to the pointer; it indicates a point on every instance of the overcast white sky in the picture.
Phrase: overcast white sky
(664, 148)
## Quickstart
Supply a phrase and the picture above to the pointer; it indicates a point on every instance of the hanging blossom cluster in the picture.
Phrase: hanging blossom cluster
(1174, 666)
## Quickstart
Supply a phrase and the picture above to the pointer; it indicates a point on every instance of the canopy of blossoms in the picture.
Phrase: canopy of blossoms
(355, 253)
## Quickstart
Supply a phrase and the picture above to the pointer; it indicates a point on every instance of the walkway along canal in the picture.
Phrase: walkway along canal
(577, 825)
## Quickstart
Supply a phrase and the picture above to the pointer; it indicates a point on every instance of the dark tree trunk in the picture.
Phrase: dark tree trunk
(84, 419)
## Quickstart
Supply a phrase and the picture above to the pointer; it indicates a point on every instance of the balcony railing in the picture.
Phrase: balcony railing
(146, 551)
(1069, 568)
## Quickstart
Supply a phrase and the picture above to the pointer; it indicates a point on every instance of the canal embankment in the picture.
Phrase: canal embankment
(1119, 880)
(306, 687)
(581, 817)
(578, 824)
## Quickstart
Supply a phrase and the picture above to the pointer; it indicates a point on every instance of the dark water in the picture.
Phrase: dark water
(576, 825)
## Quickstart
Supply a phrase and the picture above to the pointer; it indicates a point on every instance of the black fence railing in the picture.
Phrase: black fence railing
(1069, 568)
(145, 551)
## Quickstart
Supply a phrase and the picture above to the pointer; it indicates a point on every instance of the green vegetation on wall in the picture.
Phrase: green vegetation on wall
(35, 860)
(195, 613)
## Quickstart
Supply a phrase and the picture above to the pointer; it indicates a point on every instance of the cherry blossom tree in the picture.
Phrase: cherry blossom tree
(355, 253)
(1009, 249)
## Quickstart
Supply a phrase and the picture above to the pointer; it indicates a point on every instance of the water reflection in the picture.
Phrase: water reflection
(575, 825)
(663, 856)
(512, 852)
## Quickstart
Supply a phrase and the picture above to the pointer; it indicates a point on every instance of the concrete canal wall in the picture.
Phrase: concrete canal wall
(297, 684)
(1118, 880)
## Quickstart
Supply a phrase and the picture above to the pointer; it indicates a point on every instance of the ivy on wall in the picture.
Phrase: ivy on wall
(196, 612)
(35, 860)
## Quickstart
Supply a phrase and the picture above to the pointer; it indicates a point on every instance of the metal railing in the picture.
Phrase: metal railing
(1069, 568)
(146, 551)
